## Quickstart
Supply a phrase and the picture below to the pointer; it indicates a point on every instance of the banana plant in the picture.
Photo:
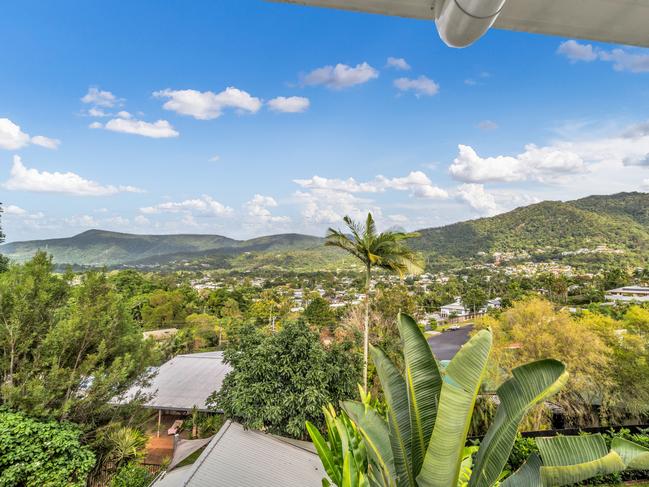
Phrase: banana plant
(566, 460)
(343, 452)
(422, 443)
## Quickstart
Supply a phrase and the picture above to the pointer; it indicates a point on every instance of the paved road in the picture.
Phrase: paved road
(447, 344)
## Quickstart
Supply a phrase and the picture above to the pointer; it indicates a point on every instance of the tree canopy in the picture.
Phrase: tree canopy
(280, 381)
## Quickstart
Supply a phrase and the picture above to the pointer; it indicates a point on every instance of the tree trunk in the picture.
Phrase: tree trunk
(366, 332)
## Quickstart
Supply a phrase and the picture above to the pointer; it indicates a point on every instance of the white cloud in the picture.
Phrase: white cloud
(124, 114)
(481, 201)
(576, 51)
(26, 179)
(258, 209)
(99, 98)
(13, 138)
(97, 112)
(645, 184)
(208, 105)
(554, 162)
(341, 76)
(46, 142)
(633, 60)
(215, 158)
(204, 206)
(96, 125)
(398, 63)
(470, 82)
(536, 163)
(14, 210)
(324, 206)
(416, 183)
(141, 220)
(293, 104)
(161, 129)
(487, 125)
(422, 86)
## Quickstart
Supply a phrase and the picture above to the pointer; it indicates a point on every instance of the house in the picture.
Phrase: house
(183, 383)
(237, 457)
(455, 309)
(635, 294)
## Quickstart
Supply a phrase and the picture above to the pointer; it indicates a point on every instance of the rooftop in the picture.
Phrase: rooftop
(184, 382)
(240, 458)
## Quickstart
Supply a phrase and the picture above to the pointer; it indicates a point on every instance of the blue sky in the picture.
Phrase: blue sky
(244, 118)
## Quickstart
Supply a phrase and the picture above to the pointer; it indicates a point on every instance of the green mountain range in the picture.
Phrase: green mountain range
(590, 231)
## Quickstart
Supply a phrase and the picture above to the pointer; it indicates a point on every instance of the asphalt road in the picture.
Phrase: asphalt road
(447, 344)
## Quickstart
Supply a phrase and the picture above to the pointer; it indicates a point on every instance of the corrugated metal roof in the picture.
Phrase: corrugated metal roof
(184, 382)
(240, 458)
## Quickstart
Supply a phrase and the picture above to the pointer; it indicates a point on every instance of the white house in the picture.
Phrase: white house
(636, 294)
(455, 309)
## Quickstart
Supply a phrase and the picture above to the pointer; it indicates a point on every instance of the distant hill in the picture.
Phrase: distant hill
(591, 231)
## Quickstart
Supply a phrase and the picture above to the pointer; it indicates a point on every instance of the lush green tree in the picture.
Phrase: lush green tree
(280, 381)
(532, 330)
(385, 250)
(4, 263)
(66, 351)
(475, 298)
(162, 309)
(206, 329)
(41, 454)
(318, 313)
(132, 475)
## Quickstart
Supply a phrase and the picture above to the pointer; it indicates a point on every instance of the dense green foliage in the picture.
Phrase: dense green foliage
(41, 453)
(132, 475)
(66, 350)
(3, 260)
(282, 380)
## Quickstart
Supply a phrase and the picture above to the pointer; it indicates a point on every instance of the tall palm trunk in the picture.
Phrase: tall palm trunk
(366, 332)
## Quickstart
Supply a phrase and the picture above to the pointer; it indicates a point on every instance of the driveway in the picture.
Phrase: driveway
(447, 344)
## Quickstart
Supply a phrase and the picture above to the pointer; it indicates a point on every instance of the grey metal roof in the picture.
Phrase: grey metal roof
(240, 458)
(184, 382)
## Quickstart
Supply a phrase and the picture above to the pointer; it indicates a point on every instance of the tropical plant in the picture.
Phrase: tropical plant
(125, 445)
(385, 250)
(343, 452)
(567, 460)
(422, 443)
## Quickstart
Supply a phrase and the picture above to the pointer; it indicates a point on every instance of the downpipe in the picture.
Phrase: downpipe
(462, 22)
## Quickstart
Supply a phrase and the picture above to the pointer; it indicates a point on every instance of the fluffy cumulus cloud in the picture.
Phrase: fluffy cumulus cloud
(325, 206)
(126, 124)
(12, 137)
(416, 183)
(422, 86)
(341, 76)
(535, 163)
(203, 206)
(99, 98)
(633, 60)
(259, 207)
(292, 104)
(478, 198)
(208, 105)
(398, 63)
(14, 210)
(46, 142)
(23, 178)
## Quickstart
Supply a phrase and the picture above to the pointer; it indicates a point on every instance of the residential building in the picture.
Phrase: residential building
(635, 294)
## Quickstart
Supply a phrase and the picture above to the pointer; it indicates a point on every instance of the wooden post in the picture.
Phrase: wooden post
(159, 421)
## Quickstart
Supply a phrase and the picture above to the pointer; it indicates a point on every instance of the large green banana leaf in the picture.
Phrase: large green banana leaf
(376, 433)
(529, 385)
(423, 385)
(396, 396)
(462, 380)
(529, 475)
(634, 456)
(571, 459)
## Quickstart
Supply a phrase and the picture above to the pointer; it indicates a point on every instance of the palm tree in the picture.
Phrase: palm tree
(385, 250)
